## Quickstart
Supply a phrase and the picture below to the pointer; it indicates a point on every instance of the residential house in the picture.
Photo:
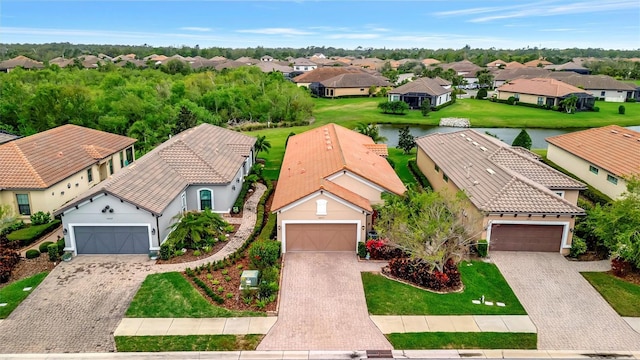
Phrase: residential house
(352, 84)
(132, 213)
(467, 70)
(313, 78)
(304, 65)
(6, 136)
(435, 91)
(405, 77)
(538, 63)
(274, 66)
(569, 66)
(319, 56)
(515, 201)
(42, 172)
(544, 91)
(247, 60)
(602, 157)
(266, 58)
(496, 64)
(22, 62)
(429, 62)
(219, 58)
(603, 87)
(503, 76)
(61, 62)
(329, 180)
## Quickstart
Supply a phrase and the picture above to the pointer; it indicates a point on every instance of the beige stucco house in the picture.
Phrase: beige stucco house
(353, 84)
(516, 202)
(329, 180)
(42, 172)
(544, 92)
(602, 157)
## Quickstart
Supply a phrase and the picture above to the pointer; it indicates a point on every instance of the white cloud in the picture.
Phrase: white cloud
(353, 36)
(195, 28)
(275, 31)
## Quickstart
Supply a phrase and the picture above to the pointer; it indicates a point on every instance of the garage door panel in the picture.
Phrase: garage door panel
(111, 239)
(321, 237)
(526, 237)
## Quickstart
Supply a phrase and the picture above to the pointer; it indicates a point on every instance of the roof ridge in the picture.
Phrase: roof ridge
(344, 161)
(500, 192)
(27, 163)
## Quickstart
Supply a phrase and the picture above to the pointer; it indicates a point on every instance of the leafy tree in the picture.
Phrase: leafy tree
(618, 224)
(425, 107)
(431, 227)
(393, 107)
(186, 120)
(406, 141)
(569, 104)
(176, 66)
(621, 110)
(482, 93)
(370, 130)
(523, 140)
(485, 78)
(262, 144)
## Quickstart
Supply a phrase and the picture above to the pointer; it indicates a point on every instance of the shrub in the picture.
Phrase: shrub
(630, 100)
(264, 253)
(420, 273)
(197, 253)
(227, 278)
(482, 93)
(578, 247)
(511, 100)
(482, 247)
(229, 295)
(523, 140)
(166, 250)
(620, 267)
(596, 109)
(415, 170)
(269, 230)
(216, 282)
(13, 227)
(9, 258)
(40, 218)
(362, 249)
(61, 245)
(621, 109)
(210, 293)
(220, 289)
(32, 254)
(53, 252)
(270, 274)
(266, 289)
(43, 248)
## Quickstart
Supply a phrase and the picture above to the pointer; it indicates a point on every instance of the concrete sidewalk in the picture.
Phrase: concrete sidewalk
(194, 326)
(459, 323)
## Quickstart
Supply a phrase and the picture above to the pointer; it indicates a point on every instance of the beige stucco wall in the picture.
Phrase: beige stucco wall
(525, 98)
(580, 168)
(366, 191)
(336, 211)
(364, 91)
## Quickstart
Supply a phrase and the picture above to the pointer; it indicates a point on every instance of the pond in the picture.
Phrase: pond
(505, 134)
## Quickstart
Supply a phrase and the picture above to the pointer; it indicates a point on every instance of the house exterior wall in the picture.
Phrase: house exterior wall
(362, 188)
(581, 168)
(304, 68)
(442, 99)
(224, 195)
(525, 98)
(360, 91)
(168, 218)
(610, 95)
(90, 213)
(305, 211)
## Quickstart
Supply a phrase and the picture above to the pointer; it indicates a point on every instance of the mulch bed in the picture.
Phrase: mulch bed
(632, 277)
(30, 267)
(188, 256)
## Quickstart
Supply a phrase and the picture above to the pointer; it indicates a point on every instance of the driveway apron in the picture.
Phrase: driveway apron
(76, 308)
(568, 312)
(322, 305)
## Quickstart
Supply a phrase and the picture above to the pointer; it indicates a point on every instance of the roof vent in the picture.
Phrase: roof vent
(614, 131)
(469, 139)
(329, 147)
(462, 135)
(475, 143)
(627, 135)
(490, 171)
(483, 148)
(476, 182)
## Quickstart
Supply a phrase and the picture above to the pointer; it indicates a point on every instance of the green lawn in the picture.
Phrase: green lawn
(14, 293)
(187, 343)
(482, 113)
(388, 297)
(402, 169)
(623, 296)
(170, 295)
(463, 340)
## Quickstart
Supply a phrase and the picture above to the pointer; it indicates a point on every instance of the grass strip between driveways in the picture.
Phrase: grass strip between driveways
(187, 343)
(170, 295)
(389, 297)
(463, 340)
(623, 296)
(13, 294)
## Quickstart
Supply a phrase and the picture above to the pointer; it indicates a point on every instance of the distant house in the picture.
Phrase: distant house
(435, 91)
(312, 79)
(502, 76)
(247, 60)
(352, 84)
(304, 65)
(603, 87)
(131, 213)
(496, 64)
(569, 66)
(516, 202)
(544, 91)
(7, 136)
(319, 56)
(266, 58)
(42, 172)
(405, 77)
(538, 63)
(62, 62)
(274, 66)
(429, 62)
(22, 62)
(603, 157)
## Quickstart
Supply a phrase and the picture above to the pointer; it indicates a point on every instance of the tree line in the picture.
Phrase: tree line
(148, 105)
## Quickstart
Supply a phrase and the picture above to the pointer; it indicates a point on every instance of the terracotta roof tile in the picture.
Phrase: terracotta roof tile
(541, 86)
(41, 160)
(422, 85)
(378, 149)
(613, 148)
(316, 154)
(497, 178)
(324, 73)
(355, 80)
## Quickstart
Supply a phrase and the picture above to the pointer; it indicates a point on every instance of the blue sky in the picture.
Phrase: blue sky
(433, 24)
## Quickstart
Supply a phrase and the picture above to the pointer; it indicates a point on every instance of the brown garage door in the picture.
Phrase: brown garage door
(321, 237)
(518, 237)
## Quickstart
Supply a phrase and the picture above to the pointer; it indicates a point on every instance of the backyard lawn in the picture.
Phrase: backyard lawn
(170, 295)
(463, 340)
(623, 296)
(388, 297)
(13, 294)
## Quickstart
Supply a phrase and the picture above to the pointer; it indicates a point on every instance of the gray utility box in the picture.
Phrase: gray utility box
(249, 279)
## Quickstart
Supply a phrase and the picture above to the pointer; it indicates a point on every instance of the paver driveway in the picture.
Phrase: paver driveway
(568, 312)
(76, 308)
(322, 305)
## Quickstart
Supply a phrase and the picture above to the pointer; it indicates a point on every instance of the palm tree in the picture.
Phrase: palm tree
(262, 144)
(370, 130)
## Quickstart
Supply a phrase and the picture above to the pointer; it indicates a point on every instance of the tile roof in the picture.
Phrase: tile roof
(21, 61)
(536, 63)
(355, 80)
(6, 137)
(269, 66)
(379, 149)
(205, 154)
(496, 178)
(541, 86)
(422, 85)
(613, 148)
(591, 82)
(511, 73)
(324, 73)
(316, 154)
(41, 160)
(514, 65)
(465, 66)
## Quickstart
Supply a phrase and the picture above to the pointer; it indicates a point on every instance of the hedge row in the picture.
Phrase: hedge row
(29, 234)
(241, 197)
(415, 170)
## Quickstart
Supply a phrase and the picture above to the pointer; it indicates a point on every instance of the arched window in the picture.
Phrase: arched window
(206, 199)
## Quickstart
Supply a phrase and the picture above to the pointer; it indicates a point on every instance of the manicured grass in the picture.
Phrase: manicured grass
(402, 169)
(623, 296)
(13, 294)
(463, 340)
(170, 295)
(388, 297)
(187, 343)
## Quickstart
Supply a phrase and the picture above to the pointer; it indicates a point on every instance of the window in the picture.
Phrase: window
(593, 169)
(612, 179)
(517, 96)
(205, 199)
(602, 93)
(23, 204)
(183, 199)
(129, 152)
(437, 168)
(90, 175)
(560, 193)
(121, 159)
(321, 207)
(540, 100)
(445, 177)
(111, 166)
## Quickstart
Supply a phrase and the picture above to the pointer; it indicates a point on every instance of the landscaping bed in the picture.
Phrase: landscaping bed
(29, 267)
(189, 255)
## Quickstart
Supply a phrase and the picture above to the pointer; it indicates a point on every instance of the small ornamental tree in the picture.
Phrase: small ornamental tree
(425, 107)
(406, 141)
(523, 140)
(482, 93)
(621, 110)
